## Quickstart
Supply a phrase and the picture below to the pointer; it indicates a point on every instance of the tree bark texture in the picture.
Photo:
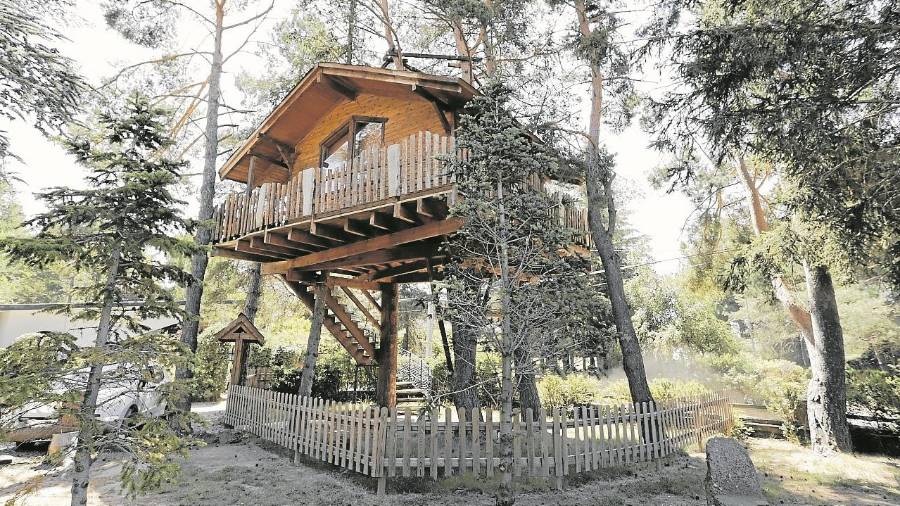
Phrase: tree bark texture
(81, 470)
(462, 381)
(529, 397)
(632, 358)
(827, 392)
(386, 355)
(199, 260)
(308, 374)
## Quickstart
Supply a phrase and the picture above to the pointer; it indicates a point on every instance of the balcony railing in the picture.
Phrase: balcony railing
(380, 174)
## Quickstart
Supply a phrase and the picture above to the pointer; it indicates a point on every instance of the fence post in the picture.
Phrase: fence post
(378, 448)
(698, 427)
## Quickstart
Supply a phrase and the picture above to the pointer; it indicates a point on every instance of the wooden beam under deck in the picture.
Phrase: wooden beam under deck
(281, 240)
(302, 236)
(390, 272)
(382, 242)
(384, 256)
(238, 255)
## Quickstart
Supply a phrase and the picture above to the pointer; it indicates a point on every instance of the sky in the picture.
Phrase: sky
(99, 51)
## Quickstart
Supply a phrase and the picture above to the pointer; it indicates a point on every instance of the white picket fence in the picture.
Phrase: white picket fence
(384, 443)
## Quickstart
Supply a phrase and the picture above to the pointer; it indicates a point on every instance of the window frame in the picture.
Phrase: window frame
(348, 128)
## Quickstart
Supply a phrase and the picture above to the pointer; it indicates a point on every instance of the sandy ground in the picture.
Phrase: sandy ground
(253, 473)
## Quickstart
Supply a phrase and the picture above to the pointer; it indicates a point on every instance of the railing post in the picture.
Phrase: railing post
(393, 170)
(309, 182)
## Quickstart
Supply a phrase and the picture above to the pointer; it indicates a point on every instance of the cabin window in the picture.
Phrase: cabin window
(337, 151)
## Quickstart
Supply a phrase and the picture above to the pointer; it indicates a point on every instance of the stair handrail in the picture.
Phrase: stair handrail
(415, 370)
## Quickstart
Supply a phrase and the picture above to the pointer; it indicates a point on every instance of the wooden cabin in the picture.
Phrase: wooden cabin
(344, 186)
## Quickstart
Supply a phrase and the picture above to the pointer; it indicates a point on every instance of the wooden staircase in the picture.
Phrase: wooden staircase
(339, 323)
(410, 397)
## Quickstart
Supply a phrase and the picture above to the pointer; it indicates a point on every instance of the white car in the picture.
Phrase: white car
(122, 397)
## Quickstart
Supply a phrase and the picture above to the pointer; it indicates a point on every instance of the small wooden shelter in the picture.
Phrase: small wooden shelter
(346, 186)
(242, 332)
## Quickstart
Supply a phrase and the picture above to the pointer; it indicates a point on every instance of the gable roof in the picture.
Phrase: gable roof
(241, 327)
(322, 88)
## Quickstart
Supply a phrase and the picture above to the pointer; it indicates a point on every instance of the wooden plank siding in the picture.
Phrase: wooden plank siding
(379, 442)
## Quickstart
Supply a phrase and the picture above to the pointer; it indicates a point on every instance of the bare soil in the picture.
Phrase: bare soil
(253, 473)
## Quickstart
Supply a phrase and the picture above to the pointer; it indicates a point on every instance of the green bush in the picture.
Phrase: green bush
(280, 361)
(487, 365)
(780, 385)
(212, 363)
(565, 391)
(875, 390)
(662, 389)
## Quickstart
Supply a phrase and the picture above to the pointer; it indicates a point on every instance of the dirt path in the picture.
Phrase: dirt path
(247, 473)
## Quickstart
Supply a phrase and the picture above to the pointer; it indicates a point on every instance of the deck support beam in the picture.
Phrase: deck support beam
(386, 355)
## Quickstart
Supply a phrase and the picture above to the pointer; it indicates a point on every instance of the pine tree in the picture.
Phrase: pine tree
(509, 270)
(122, 228)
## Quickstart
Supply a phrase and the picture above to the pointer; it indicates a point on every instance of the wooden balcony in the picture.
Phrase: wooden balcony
(385, 190)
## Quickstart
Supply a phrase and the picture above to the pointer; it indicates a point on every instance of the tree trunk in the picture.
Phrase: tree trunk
(600, 198)
(827, 394)
(462, 383)
(632, 359)
(308, 374)
(351, 30)
(445, 343)
(251, 306)
(386, 356)
(820, 331)
(88, 429)
(199, 260)
(254, 285)
(393, 46)
(529, 397)
(505, 495)
(462, 47)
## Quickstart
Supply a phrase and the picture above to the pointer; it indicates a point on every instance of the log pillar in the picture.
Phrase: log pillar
(386, 355)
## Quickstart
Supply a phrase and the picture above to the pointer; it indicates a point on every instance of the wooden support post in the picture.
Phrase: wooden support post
(386, 355)
(239, 367)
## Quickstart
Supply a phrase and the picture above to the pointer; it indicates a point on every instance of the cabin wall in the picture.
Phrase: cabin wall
(406, 116)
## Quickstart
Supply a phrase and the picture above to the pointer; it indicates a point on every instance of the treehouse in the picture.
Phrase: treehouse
(345, 186)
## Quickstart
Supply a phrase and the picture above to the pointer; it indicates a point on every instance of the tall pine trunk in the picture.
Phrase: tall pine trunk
(88, 430)
(308, 374)
(203, 237)
(600, 198)
(827, 392)
(632, 358)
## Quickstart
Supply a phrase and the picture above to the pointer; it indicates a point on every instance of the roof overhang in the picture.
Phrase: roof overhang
(322, 88)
